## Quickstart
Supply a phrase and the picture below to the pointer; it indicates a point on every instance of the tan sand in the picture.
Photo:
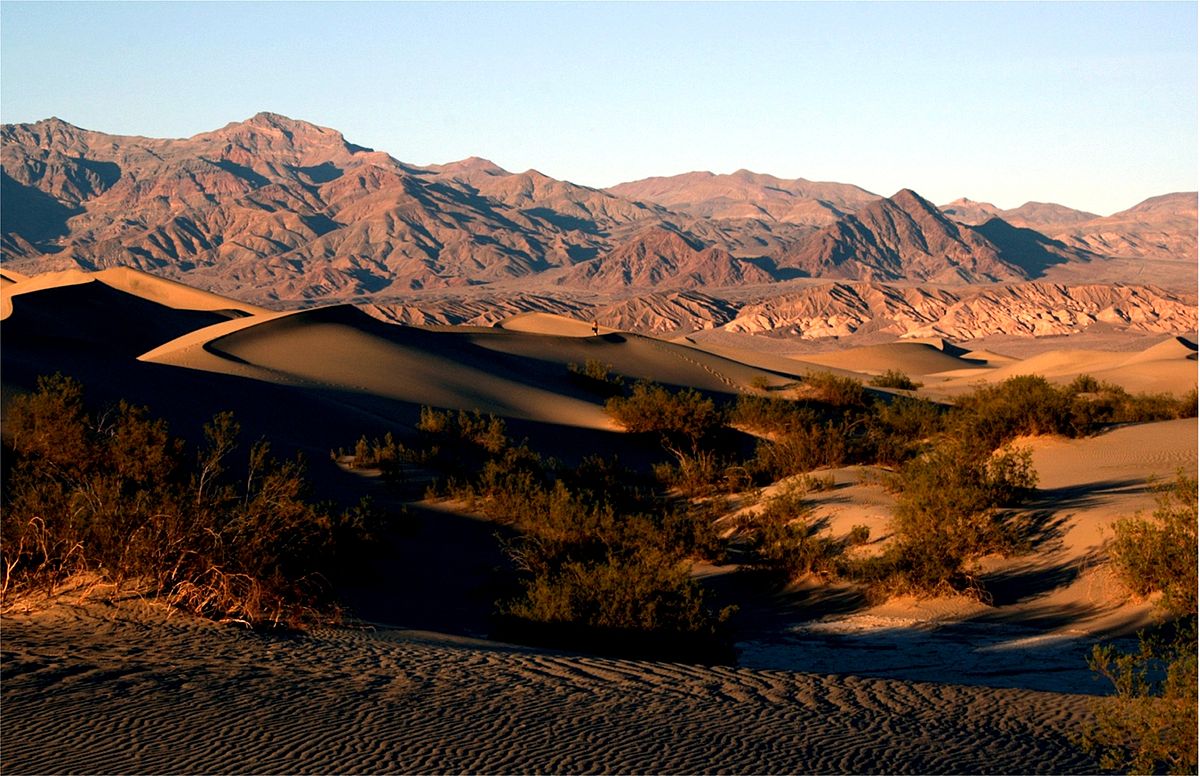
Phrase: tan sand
(509, 373)
(548, 323)
(911, 358)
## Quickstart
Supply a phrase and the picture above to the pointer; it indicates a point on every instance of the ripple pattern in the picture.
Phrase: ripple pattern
(134, 693)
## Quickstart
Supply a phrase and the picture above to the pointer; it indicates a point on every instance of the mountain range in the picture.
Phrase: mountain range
(285, 213)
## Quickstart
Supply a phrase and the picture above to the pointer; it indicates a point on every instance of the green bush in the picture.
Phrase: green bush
(640, 590)
(1028, 404)
(1159, 554)
(782, 536)
(894, 378)
(898, 430)
(798, 451)
(679, 416)
(947, 515)
(833, 390)
(586, 568)
(769, 416)
(1149, 724)
(113, 494)
(1023, 405)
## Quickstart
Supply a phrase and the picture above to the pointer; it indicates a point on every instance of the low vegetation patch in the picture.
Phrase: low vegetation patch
(113, 494)
(597, 377)
(783, 535)
(894, 378)
(602, 560)
(1030, 405)
(948, 514)
(1149, 724)
(833, 390)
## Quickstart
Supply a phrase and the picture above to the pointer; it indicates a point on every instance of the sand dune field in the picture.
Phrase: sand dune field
(824, 681)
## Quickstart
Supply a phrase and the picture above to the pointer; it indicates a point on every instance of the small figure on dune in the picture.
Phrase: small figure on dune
(595, 328)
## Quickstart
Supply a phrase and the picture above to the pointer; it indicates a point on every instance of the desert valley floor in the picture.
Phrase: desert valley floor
(824, 680)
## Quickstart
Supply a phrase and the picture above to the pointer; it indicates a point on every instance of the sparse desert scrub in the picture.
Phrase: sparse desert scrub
(1094, 404)
(947, 516)
(1030, 405)
(597, 377)
(592, 576)
(115, 495)
(601, 560)
(683, 416)
(1158, 555)
(1149, 724)
(798, 451)
(770, 416)
(784, 536)
(1025, 405)
(900, 429)
(894, 378)
(833, 390)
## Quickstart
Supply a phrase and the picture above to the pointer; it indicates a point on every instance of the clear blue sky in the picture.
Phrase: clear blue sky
(1090, 105)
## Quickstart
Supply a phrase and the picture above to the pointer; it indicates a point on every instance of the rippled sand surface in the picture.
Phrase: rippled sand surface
(97, 689)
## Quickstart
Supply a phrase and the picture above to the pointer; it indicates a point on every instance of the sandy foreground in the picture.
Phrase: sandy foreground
(95, 690)
(824, 682)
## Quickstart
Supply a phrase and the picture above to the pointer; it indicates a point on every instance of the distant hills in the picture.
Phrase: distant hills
(282, 212)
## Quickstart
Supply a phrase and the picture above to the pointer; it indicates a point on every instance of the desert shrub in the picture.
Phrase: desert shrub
(1094, 404)
(385, 453)
(783, 536)
(596, 376)
(679, 416)
(1149, 724)
(894, 378)
(1022, 405)
(640, 603)
(800, 450)
(1159, 554)
(770, 416)
(1029, 404)
(114, 494)
(900, 429)
(606, 578)
(859, 535)
(694, 474)
(833, 390)
(947, 515)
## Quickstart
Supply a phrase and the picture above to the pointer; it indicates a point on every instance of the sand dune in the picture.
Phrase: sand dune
(141, 284)
(340, 347)
(548, 323)
(1169, 366)
(510, 373)
(911, 358)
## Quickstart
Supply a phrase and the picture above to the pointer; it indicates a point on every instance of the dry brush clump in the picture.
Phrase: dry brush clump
(1149, 724)
(595, 568)
(115, 495)
(597, 377)
(601, 560)
(894, 378)
(949, 513)
(784, 536)
(1031, 405)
